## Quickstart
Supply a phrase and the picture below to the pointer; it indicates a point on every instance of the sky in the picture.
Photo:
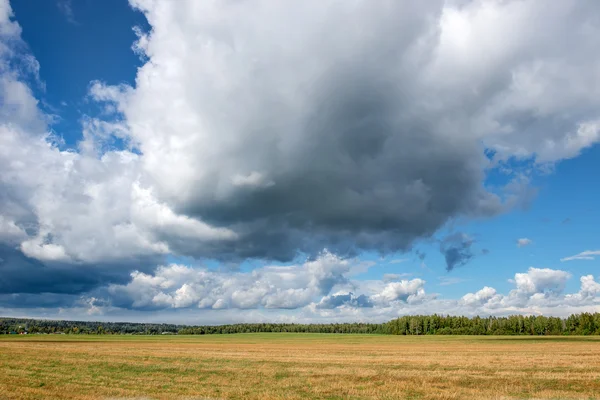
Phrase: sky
(315, 161)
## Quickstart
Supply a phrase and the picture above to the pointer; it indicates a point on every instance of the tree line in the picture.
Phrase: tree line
(577, 324)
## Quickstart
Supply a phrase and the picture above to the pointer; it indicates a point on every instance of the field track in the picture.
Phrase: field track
(298, 366)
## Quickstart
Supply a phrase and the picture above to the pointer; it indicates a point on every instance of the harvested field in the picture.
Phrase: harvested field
(298, 366)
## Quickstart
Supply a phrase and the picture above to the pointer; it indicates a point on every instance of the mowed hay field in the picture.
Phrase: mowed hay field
(298, 366)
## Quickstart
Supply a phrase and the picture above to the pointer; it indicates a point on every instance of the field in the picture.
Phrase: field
(298, 366)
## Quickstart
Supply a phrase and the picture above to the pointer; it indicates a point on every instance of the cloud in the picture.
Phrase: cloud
(348, 300)
(456, 249)
(524, 242)
(177, 293)
(268, 287)
(255, 130)
(537, 291)
(80, 216)
(588, 293)
(254, 179)
(447, 281)
(66, 8)
(478, 298)
(584, 255)
(44, 251)
(178, 286)
(319, 129)
(539, 280)
(10, 232)
(38, 300)
(406, 291)
(22, 274)
(395, 277)
(173, 296)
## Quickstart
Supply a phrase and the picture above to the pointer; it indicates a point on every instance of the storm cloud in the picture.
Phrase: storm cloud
(312, 137)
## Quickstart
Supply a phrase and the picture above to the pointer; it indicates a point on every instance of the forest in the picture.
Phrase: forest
(577, 324)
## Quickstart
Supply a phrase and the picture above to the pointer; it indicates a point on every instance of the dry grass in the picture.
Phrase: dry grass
(298, 366)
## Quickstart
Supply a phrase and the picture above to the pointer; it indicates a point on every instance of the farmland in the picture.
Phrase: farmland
(298, 366)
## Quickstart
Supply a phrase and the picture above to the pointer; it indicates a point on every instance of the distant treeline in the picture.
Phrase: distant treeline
(579, 324)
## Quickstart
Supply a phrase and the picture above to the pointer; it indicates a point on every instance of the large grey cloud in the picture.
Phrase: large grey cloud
(349, 125)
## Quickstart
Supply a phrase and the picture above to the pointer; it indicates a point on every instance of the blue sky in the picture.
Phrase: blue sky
(230, 162)
(92, 43)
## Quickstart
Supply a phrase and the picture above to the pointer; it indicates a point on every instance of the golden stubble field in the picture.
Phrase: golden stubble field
(298, 366)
